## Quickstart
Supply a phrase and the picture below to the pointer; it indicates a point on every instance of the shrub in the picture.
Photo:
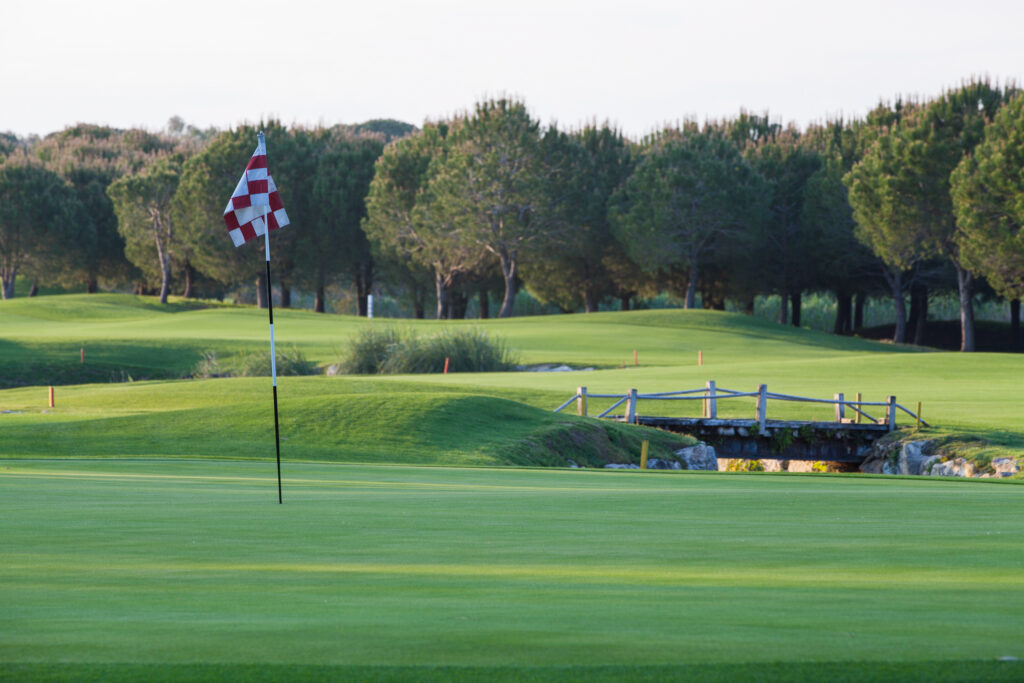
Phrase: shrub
(290, 362)
(209, 366)
(369, 350)
(387, 351)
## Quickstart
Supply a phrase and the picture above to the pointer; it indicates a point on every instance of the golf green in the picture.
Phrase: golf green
(129, 568)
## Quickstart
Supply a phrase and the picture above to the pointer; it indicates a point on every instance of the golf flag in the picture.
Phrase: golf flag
(254, 198)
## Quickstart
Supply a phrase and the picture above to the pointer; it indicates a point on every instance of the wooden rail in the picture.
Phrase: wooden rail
(711, 394)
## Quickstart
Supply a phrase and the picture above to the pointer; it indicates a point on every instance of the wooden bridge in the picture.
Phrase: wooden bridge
(842, 439)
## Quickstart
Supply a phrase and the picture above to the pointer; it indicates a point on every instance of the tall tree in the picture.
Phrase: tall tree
(402, 220)
(337, 245)
(690, 194)
(40, 215)
(988, 198)
(788, 246)
(490, 187)
(143, 206)
(592, 163)
(901, 192)
(207, 180)
(880, 186)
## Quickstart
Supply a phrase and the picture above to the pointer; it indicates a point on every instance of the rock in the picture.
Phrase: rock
(801, 466)
(771, 465)
(914, 458)
(574, 465)
(656, 464)
(957, 467)
(1005, 467)
(699, 457)
(621, 466)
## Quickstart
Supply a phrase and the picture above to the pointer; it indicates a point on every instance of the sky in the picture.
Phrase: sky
(639, 65)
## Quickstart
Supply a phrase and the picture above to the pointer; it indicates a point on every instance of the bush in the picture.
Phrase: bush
(209, 367)
(388, 351)
(369, 350)
(291, 362)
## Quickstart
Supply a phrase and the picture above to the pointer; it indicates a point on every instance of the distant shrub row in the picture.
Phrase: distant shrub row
(393, 351)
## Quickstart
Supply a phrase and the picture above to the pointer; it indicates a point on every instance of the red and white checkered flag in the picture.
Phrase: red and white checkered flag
(245, 210)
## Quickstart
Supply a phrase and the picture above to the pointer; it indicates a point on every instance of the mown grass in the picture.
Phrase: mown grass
(969, 397)
(150, 569)
(332, 419)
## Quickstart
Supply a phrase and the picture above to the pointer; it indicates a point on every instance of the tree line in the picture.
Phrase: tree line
(918, 197)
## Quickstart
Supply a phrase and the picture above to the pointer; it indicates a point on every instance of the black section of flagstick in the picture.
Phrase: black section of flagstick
(277, 431)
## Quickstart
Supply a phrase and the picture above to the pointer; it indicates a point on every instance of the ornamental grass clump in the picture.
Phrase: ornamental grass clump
(369, 350)
(289, 362)
(390, 352)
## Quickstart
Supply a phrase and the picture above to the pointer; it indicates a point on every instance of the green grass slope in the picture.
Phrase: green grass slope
(332, 419)
(154, 570)
(972, 396)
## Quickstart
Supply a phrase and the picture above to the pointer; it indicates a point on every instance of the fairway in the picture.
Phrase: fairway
(131, 568)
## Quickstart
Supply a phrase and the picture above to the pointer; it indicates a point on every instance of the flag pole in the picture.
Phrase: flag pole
(273, 355)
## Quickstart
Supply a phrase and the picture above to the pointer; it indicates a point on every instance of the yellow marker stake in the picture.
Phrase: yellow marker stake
(918, 413)
(643, 454)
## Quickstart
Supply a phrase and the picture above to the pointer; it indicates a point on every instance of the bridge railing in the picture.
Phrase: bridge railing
(711, 394)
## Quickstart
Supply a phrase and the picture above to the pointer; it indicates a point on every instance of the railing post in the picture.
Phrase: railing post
(581, 401)
(710, 403)
(631, 407)
(762, 407)
(840, 407)
(890, 409)
(859, 408)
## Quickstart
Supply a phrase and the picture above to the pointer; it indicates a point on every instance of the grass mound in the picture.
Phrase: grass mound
(321, 419)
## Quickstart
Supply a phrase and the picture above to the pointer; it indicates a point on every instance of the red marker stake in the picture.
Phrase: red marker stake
(446, 365)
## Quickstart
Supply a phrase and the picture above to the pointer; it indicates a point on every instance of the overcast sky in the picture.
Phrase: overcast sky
(638, 64)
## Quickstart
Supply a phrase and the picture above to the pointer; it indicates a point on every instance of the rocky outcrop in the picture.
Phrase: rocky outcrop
(699, 457)
(917, 458)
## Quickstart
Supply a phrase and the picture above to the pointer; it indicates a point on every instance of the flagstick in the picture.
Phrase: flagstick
(273, 355)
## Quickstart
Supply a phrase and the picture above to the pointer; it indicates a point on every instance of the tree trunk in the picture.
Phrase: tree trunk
(784, 308)
(189, 281)
(261, 290)
(844, 304)
(459, 301)
(748, 306)
(895, 278)
(589, 303)
(286, 294)
(419, 303)
(1015, 324)
(165, 282)
(965, 284)
(91, 285)
(485, 302)
(442, 296)
(363, 281)
(858, 310)
(919, 312)
(691, 288)
(624, 302)
(796, 299)
(318, 300)
(508, 272)
(34, 289)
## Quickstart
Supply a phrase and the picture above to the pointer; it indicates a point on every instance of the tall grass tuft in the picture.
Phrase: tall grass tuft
(369, 350)
(289, 362)
(389, 351)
